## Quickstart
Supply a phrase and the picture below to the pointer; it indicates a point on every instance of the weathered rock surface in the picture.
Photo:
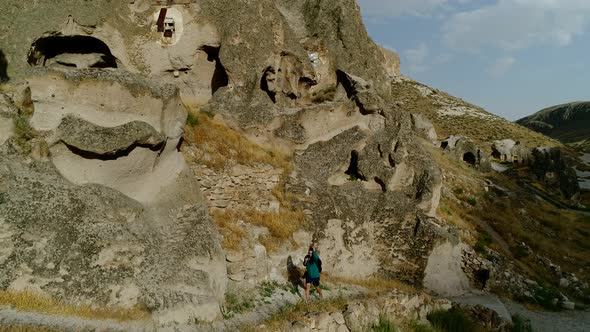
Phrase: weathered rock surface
(551, 167)
(98, 240)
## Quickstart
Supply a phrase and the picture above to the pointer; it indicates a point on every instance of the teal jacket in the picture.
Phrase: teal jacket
(312, 267)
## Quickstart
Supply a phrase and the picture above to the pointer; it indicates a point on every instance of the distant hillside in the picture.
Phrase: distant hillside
(569, 123)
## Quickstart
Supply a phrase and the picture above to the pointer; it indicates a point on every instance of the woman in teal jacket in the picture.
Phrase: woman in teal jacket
(312, 275)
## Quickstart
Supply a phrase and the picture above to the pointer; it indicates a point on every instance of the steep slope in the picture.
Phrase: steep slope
(568, 123)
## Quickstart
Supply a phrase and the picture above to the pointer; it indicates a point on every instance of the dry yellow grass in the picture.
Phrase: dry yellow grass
(281, 225)
(374, 284)
(221, 145)
(26, 328)
(34, 302)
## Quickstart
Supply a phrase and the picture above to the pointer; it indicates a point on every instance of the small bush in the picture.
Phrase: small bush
(520, 324)
(483, 240)
(458, 191)
(192, 119)
(453, 320)
(546, 297)
(235, 304)
(384, 325)
(472, 201)
(416, 326)
(519, 251)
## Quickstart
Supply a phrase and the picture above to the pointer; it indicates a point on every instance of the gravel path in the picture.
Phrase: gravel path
(543, 321)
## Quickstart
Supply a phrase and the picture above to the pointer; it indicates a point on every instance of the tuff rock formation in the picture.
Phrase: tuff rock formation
(103, 209)
(109, 215)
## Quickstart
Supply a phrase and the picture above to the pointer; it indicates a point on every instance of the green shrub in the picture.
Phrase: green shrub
(453, 320)
(384, 325)
(472, 201)
(192, 119)
(546, 296)
(483, 240)
(458, 191)
(520, 251)
(520, 324)
(416, 326)
(235, 304)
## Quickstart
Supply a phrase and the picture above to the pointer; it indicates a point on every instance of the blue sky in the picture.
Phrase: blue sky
(512, 57)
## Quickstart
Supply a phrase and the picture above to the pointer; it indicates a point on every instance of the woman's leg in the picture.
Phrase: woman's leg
(319, 291)
(307, 288)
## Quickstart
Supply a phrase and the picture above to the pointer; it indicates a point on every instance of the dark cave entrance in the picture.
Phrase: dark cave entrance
(3, 67)
(469, 158)
(496, 154)
(353, 171)
(71, 51)
(220, 78)
(268, 76)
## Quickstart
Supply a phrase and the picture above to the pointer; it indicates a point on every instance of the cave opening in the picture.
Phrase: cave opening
(496, 154)
(469, 158)
(353, 170)
(268, 76)
(71, 51)
(343, 80)
(3, 67)
(220, 78)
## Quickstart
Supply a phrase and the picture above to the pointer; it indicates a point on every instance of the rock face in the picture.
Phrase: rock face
(551, 167)
(114, 218)
(510, 151)
(303, 75)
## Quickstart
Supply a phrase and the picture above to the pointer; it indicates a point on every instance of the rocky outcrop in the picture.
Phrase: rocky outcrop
(462, 148)
(550, 166)
(510, 151)
(113, 218)
(363, 315)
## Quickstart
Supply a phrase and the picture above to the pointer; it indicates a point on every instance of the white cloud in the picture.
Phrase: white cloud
(517, 24)
(501, 66)
(416, 58)
(392, 8)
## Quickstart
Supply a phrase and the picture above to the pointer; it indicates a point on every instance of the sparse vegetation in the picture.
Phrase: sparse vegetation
(23, 133)
(281, 226)
(483, 240)
(220, 145)
(323, 95)
(236, 304)
(384, 325)
(292, 312)
(453, 320)
(34, 302)
(375, 284)
(27, 328)
(416, 326)
(520, 324)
